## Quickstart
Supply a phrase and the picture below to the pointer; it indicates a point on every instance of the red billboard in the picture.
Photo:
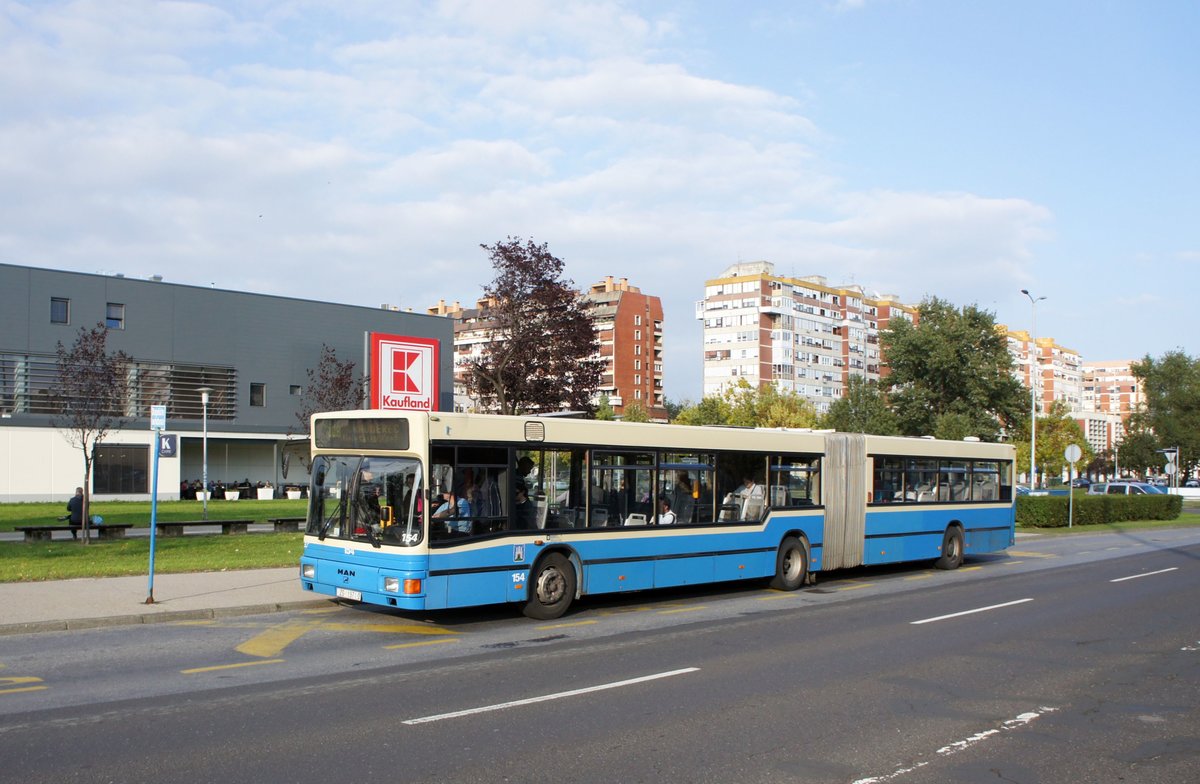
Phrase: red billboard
(404, 373)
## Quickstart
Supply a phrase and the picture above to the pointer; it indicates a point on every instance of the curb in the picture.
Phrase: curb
(169, 616)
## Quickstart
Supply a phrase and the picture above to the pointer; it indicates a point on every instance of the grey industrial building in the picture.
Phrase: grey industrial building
(253, 350)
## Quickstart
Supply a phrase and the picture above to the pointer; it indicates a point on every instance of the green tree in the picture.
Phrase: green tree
(951, 373)
(1171, 390)
(674, 407)
(604, 411)
(635, 412)
(1137, 451)
(711, 410)
(1055, 432)
(863, 408)
(743, 405)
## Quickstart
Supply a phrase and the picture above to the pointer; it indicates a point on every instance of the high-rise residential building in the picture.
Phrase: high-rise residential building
(801, 334)
(1111, 388)
(629, 326)
(1056, 371)
(629, 329)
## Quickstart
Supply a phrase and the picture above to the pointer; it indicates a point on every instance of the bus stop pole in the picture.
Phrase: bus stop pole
(153, 512)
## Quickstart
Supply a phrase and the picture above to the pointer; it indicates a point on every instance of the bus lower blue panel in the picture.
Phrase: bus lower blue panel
(891, 549)
(743, 566)
(468, 590)
(624, 576)
(987, 541)
(683, 571)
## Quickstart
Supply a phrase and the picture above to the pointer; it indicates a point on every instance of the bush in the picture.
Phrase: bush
(1050, 511)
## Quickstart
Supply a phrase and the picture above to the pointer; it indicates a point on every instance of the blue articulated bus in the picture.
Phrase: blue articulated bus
(425, 511)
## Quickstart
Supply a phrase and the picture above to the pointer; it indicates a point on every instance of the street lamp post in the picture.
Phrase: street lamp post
(1034, 366)
(204, 391)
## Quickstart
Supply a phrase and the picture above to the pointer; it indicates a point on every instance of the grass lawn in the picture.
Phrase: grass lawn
(138, 512)
(61, 560)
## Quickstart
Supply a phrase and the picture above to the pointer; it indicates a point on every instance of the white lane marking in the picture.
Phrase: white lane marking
(546, 697)
(969, 612)
(962, 745)
(1147, 574)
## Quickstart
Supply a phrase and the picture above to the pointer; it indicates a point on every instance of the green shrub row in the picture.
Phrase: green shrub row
(1050, 511)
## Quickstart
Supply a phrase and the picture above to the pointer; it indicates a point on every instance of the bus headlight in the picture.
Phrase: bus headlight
(391, 584)
(308, 571)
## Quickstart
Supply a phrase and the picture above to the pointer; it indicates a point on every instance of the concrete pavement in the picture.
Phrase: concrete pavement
(59, 605)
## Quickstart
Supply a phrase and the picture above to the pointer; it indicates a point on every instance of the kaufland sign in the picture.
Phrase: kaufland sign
(404, 373)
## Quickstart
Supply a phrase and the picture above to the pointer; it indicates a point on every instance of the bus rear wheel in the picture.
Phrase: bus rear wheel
(791, 565)
(952, 549)
(551, 588)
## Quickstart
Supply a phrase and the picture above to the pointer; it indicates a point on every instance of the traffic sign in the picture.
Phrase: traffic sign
(158, 417)
(1073, 453)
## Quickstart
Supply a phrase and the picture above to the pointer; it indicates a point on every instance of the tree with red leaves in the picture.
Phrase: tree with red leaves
(543, 356)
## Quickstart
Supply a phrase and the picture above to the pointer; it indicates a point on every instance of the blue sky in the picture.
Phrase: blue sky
(362, 151)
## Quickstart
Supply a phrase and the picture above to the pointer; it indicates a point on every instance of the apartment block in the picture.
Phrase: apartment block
(1111, 388)
(1041, 363)
(801, 334)
(629, 328)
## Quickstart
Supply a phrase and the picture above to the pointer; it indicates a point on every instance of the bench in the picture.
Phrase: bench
(44, 533)
(176, 528)
(287, 523)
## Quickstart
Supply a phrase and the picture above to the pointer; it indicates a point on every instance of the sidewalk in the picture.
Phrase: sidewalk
(60, 605)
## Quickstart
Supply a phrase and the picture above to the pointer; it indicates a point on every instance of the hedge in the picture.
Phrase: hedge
(1050, 511)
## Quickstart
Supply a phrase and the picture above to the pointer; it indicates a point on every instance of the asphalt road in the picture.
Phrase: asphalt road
(1032, 667)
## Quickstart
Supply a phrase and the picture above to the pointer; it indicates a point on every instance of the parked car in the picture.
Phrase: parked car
(1124, 488)
(1081, 481)
(1160, 481)
(1192, 483)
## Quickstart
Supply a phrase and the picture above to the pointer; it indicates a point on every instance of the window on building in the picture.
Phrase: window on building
(121, 469)
(60, 310)
(637, 378)
(637, 364)
(294, 390)
(258, 394)
(637, 334)
(114, 316)
(637, 350)
(637, 321)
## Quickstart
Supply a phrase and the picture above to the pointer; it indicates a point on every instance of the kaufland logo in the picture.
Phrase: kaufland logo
(405, 373)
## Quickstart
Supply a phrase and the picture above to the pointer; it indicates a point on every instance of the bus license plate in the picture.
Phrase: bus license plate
(346, 593)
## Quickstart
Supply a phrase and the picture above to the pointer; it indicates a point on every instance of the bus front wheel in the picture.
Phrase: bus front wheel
(551, 588)
(791, 565)
(952, 549)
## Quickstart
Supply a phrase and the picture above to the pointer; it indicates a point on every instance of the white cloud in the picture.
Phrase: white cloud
(224, 146)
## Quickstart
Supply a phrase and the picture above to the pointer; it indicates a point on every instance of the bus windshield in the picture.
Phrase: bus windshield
(366, 498)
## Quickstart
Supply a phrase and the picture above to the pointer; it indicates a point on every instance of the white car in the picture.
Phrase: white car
(1125, 488)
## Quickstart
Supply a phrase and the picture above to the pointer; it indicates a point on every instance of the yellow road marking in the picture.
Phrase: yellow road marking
(567, 625)
(1013, 563)
(214, 668)
(775, 595)
(920, 577)
(682, 610)
(417, 644)
(970, 568)
(272, 641)
(1024, 554)
(14, 680)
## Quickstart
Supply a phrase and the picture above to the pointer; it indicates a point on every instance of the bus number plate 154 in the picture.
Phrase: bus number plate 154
(346, 593)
